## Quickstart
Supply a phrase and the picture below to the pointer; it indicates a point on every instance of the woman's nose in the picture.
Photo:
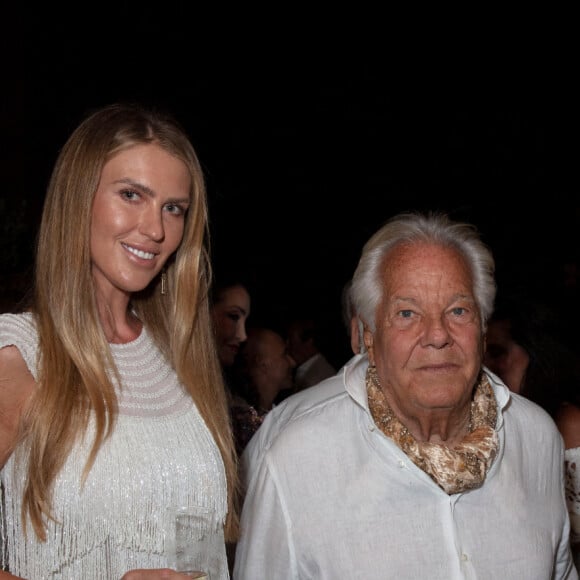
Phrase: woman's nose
(152, 224)
(241, 331)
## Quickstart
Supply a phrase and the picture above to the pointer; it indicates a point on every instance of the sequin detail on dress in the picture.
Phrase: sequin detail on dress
(160, 445)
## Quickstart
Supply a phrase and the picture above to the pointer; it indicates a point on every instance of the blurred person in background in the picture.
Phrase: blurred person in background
(264, 370)
(528, 348)
(230, 309)
(303, 340)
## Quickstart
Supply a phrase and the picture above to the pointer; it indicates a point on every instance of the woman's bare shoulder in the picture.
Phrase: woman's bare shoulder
(16, 386)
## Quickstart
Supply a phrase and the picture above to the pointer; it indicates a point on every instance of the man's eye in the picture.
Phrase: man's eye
(405, 313)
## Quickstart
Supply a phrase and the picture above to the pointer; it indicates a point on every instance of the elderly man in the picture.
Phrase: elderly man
(414, 461)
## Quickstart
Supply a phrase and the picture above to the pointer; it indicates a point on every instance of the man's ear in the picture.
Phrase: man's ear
(368, 340)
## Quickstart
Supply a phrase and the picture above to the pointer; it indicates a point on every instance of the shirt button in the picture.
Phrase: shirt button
(464, 557)
(371, 427)
(401, 463)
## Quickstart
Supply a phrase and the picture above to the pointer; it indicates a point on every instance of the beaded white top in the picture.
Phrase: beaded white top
(160, 454)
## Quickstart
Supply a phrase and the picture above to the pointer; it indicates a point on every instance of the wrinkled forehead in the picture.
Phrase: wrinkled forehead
(419, 262)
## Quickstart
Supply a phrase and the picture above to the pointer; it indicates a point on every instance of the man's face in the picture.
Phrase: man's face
(427, 346)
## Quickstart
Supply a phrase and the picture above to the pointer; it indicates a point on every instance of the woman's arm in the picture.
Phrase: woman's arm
(16, 386)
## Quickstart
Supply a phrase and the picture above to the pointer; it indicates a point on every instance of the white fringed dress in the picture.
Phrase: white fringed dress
(160, 454)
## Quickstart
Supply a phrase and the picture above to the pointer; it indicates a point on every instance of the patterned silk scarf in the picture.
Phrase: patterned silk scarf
(453, 470)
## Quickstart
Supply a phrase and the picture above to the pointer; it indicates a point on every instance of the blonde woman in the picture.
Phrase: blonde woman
(112, 404)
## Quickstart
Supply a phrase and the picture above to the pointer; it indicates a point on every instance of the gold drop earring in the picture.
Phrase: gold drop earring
(163, 283)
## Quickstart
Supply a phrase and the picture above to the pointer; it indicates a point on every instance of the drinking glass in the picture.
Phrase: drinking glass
(192, 540)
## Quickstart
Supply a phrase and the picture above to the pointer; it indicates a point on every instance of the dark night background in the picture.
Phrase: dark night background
(306, 155)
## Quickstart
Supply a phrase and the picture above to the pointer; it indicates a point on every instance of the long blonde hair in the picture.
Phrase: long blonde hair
(74, 353)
